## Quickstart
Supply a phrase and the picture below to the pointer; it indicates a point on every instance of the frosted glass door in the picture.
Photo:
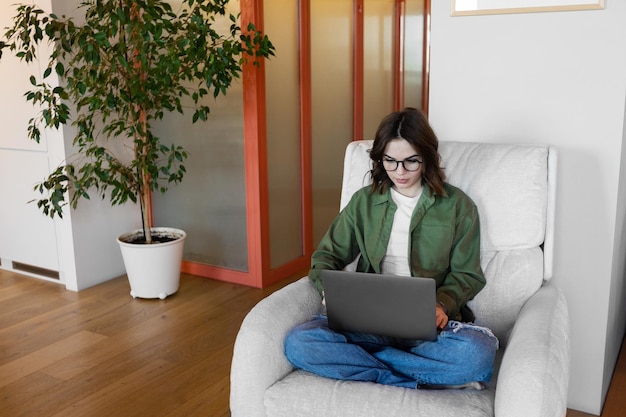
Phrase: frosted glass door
(378, 63)
(210, 203)
(331, 85)
(283, 133)
(413, 53)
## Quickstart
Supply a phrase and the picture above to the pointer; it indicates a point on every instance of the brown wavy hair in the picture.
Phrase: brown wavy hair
(411, 125)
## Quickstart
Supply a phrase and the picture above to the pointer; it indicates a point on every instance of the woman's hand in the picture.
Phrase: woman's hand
(441, 317)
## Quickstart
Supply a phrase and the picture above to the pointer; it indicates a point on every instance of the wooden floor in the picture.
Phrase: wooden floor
(101, 353)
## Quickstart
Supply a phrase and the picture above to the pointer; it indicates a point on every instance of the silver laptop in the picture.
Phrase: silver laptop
(387, 305)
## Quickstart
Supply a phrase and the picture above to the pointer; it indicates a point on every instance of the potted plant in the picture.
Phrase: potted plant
(120, 70)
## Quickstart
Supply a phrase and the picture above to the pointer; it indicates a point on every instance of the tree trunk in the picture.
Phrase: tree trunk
(145, 209)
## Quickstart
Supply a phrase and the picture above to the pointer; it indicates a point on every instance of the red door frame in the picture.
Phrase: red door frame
(398, 54)
(426, 57)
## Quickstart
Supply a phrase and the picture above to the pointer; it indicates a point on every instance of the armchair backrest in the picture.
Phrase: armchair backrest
(514, 188)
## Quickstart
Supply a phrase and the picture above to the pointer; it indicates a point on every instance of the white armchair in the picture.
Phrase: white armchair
(514, 189)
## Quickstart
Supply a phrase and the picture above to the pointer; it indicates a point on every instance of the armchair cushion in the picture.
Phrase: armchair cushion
(512, 277)
(507, 183)
(302, 393)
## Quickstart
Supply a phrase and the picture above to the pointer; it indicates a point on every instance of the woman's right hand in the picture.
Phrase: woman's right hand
(441, 317)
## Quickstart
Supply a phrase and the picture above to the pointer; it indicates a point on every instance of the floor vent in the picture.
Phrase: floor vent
(48, 273)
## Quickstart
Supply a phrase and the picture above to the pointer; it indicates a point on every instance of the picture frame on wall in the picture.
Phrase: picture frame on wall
(482, 7)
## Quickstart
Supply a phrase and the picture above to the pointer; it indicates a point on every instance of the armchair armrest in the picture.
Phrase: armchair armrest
(534, 374)
(258, 356)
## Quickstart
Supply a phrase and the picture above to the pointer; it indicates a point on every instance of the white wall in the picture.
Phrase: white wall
(81, 246)
(26, 236)
(95, 224)
(556, 78)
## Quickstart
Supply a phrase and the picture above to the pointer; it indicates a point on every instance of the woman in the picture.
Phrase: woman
(408, 222)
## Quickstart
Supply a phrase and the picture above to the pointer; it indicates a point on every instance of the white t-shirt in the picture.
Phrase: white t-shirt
(396, 261)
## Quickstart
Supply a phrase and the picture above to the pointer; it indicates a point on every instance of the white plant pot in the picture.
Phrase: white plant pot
(153, 270)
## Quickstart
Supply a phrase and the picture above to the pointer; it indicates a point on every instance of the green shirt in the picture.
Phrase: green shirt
(444, 243)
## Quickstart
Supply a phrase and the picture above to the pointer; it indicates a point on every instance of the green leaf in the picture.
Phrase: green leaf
(60, 69)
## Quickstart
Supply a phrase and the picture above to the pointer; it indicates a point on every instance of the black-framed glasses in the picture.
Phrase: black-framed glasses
(412, 163)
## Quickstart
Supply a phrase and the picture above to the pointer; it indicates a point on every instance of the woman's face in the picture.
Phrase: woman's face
(408, 183)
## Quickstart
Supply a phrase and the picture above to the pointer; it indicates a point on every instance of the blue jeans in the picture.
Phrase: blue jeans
(461, 354)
